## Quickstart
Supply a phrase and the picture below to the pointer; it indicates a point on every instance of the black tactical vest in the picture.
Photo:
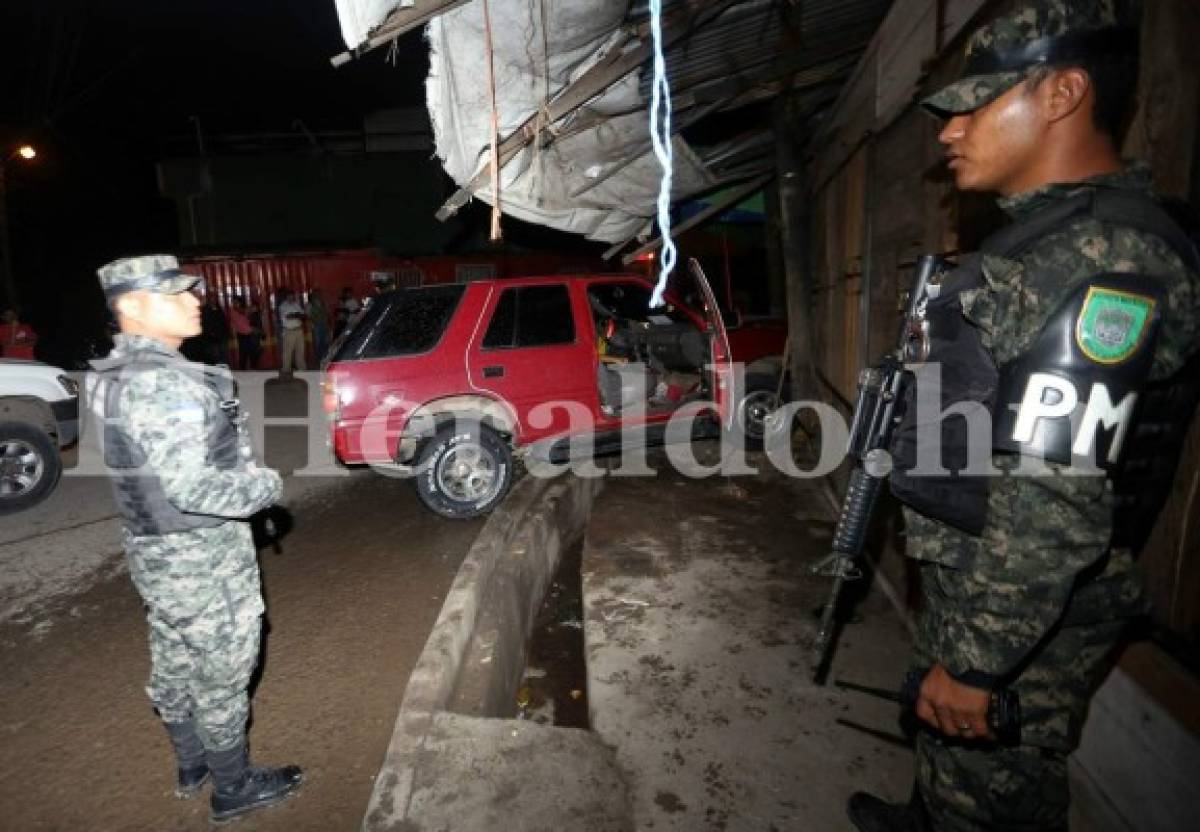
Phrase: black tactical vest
(139, 494)
(1142, 470)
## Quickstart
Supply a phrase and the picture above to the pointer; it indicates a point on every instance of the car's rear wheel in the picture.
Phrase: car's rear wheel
(464, 472)
(759, 400)
(29, 466)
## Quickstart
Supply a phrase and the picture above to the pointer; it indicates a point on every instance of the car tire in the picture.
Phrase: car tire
(29, 466)
(463, 472)
(759, 400)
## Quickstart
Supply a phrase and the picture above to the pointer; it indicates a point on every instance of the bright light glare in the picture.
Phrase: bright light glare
(26, 151)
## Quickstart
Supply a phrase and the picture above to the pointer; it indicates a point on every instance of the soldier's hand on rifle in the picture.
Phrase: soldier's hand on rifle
(955, 709)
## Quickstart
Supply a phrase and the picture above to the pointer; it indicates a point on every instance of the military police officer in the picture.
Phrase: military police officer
(185, 481)
(1087, 297)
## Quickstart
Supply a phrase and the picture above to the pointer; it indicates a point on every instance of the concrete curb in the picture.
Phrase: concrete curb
(498, 589)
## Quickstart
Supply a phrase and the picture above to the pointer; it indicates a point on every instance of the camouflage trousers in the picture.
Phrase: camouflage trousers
(204, 607)
(968, 786)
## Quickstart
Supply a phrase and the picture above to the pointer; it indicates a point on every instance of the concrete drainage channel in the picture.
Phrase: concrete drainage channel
(458, 759)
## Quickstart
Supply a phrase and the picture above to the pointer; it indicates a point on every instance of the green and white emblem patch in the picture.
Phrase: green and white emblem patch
(1112, 324)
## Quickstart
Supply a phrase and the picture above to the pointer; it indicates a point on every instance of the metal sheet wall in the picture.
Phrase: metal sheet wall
(258, 278)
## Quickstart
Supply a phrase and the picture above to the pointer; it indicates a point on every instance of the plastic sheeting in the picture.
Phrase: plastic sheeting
(540, 46)
(359, 17)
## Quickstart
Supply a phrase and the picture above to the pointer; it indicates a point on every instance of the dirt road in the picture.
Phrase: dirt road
(350, 600)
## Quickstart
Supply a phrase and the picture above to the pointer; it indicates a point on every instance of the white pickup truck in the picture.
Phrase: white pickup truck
(39, 414)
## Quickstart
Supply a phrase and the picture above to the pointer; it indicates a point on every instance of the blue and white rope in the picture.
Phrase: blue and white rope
(660, 136)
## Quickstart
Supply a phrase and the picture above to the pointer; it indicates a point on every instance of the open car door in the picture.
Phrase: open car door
(720, 356)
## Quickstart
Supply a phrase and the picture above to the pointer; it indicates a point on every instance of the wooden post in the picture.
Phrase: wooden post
(776, 279)
(794, 247)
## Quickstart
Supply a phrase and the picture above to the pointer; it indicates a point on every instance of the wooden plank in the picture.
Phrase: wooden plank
(731, 199)
(854, 227)
(957, 15)
(849, 123)
(1165, 127)
(1165, 132)
(1169, 562)
(741, 90)
(905, 44)
(861, 110)
(1168, 683)
(1139, 754)
(396, 24)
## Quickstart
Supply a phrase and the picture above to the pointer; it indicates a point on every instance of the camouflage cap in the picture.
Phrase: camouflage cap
(1000, 53)
(148, 273)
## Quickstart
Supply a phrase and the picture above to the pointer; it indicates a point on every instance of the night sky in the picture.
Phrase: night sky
(105, 88)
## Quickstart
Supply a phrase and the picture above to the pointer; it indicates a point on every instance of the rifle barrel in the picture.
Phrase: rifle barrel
(881, 693)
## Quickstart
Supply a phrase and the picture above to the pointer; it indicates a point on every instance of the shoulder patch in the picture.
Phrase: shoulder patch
(1113, 324)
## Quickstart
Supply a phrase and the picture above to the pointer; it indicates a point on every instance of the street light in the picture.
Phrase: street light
(27, 152)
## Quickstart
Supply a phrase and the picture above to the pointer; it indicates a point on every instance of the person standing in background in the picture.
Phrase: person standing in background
(347, 308)
(291, 322)
(247, 337)
(214, 331)
(318, 318)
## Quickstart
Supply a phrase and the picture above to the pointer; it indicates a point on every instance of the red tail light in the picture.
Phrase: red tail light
(329, 397)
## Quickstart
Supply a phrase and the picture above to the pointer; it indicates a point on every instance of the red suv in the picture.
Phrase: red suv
(450, 382)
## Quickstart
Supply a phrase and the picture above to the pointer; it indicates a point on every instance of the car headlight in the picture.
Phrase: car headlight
(70, 385)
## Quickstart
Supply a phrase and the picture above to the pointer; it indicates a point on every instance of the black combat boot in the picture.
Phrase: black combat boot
(189, 754)
(241, 787)
(870, 814)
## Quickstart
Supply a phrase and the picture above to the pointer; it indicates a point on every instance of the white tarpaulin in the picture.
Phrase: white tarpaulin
(359, 17)
(598, 177)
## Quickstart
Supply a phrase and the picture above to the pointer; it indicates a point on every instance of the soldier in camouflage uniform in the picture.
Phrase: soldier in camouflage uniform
(1037, 600)
(185, 482)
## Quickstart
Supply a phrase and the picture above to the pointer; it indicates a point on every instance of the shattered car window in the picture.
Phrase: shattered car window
(405, 322)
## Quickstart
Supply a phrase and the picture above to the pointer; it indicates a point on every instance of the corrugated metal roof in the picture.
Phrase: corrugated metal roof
(760, 40)
(753, 50)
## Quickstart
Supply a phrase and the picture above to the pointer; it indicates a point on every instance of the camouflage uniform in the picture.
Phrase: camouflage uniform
(1038, 595)
(200, 585)
(1039, 599)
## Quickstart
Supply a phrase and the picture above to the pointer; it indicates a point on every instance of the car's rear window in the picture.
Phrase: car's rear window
(405, 322)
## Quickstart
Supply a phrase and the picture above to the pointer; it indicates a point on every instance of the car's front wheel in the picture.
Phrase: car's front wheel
(29, 466)
(464, 472)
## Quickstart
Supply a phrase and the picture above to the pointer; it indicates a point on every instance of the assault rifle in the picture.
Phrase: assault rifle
(880, 390)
